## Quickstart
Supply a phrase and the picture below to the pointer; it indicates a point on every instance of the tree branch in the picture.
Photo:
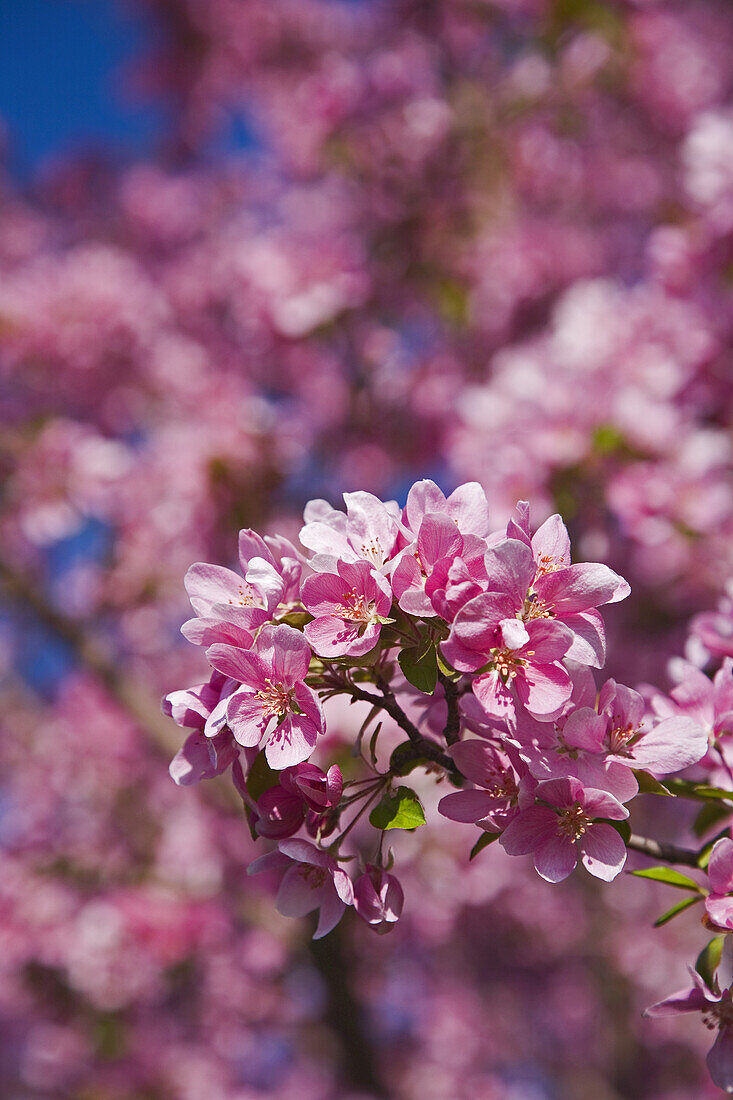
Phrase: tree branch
(667, 853)
(453, 724)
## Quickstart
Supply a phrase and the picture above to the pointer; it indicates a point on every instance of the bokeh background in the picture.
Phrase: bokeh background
(258, 251)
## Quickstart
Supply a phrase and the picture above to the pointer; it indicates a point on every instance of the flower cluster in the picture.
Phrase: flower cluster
(478, 646)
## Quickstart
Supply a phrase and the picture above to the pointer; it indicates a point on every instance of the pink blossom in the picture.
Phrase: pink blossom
(717, 1010)
(272, 675)
(366, 532)
(564, 823)
(230, 608)
(348, 606)
(202, 756)
(498, 791)
(719, 904)
(466, 507)
(378, 898)
(515, 661)
(311, 880)
(438, 545)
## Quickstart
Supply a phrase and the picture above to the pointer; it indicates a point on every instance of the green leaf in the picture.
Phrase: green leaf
(686, 789)
(711, 814)
(419, 665)
(704, 857)
(709, 959)
(483, 842)
(649, 785)
(373, 744)
(672, 878)
(622, 828)
(261, 777)
(678, 908)
(400, 809)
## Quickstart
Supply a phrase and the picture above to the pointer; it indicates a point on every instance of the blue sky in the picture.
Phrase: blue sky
(60, 88)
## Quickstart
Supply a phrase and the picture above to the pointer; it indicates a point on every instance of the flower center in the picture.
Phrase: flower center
(719, 1015)
(506, 664)
(548, 563)
(620, 737)
(502, 785)
(535, 608)
(275, 699)
(247, 597)
(373, 550)
(355, 606)
(572, 821)
(314, 876)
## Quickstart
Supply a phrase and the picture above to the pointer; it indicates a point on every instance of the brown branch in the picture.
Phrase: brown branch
(453, 724)
(423, 748)
(667, 853)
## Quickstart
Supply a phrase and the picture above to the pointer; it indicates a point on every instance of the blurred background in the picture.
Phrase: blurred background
(258, 251)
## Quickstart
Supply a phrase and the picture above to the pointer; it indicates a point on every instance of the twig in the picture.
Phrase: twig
(668, 853)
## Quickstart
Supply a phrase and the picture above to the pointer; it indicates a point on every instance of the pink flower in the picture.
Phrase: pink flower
(367, 532)
(562, 824)
(271, 675)
(229, 607)
(498, 793)
(717, 1010)
(568, 592)
(303, 791)
(714, 629)
(466, 507)
(669, 746)
(378, 898)
(517, 661)
(439, 543)
(719, 904)
(349, 608)
(311, 880)
(202, 756)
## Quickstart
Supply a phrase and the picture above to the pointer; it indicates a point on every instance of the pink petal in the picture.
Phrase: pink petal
(544, 689)
(528, 830)
(589, 638)
(720, 867)
(467, 806)
(291, 742)
(720, 1060)
(331, 637)
(511, 569)
(556, 859)
(241, 664)
(581, 587)
(603, 852)
(438, 538)
(245, 718)
(684, 1000)
(720, 911)
(552, 542)
(671, 746)
(331, 912)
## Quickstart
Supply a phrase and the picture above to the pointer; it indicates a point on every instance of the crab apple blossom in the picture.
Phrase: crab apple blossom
(348, 606)
(311, 880)
(488, 241)
(564, 824)
(272, 689)
(500, 788)
(367, 531)
(716, 1007)
(378, 899)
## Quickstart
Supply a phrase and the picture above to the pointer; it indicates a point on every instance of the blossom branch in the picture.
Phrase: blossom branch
(453, 723)
(667, 853)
